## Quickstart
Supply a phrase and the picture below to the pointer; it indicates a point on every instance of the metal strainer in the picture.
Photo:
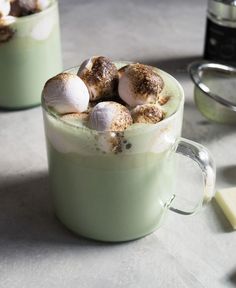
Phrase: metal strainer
(215, 90)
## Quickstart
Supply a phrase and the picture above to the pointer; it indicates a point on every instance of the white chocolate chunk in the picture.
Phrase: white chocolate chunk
(226, 198)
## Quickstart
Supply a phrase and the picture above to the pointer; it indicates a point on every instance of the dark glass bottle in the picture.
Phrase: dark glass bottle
(220, 39)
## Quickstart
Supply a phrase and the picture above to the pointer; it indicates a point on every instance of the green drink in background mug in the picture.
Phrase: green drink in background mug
(121, 196)
(30, 53)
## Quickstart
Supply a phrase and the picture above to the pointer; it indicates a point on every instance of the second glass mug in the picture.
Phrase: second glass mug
(30, 53)
(122, 194)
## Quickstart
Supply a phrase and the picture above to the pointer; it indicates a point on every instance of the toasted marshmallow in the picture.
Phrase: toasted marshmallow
(101, 77)
(4, 8)
(110, 116)
(43, 4)
(147, 113)
(139, 84)
(66, 93)
(6, 31)
(16, 10)
(31, 6)
(6, 21)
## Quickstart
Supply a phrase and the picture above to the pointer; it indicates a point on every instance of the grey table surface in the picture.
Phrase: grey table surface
(35, 249)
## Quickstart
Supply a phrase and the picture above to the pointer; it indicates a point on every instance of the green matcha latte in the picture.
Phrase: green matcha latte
(114, 194)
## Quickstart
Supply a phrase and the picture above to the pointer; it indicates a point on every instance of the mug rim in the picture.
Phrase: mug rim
(149, 125)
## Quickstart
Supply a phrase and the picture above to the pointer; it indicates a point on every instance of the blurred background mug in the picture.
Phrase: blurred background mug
(30, 53)
(121, 192)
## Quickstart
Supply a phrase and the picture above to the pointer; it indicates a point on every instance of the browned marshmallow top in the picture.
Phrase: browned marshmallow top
(143, 79)
(139, 84)
(101, 77)
(110, 116)
(20, 8)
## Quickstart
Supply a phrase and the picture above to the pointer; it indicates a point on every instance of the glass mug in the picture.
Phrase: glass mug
(122, 193)
(30, 53)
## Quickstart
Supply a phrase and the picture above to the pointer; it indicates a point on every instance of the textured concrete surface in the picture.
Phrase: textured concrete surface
(35, 249)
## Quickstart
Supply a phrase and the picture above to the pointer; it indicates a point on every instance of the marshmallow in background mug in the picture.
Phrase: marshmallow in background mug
(21, 8)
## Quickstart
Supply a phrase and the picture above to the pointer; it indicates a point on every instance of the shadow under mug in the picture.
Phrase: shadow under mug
(122, 193)
(30, 53)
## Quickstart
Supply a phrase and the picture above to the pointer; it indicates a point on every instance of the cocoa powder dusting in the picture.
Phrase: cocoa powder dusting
(147, 113)
(145, 81)
(123, 119)
(83, 116)
(163, 100)
(116, 142)
(103, 75)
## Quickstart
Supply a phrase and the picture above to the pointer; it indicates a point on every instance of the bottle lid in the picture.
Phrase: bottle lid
(223, 9)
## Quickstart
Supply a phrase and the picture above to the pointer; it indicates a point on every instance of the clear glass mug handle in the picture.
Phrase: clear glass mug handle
(202, 157)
